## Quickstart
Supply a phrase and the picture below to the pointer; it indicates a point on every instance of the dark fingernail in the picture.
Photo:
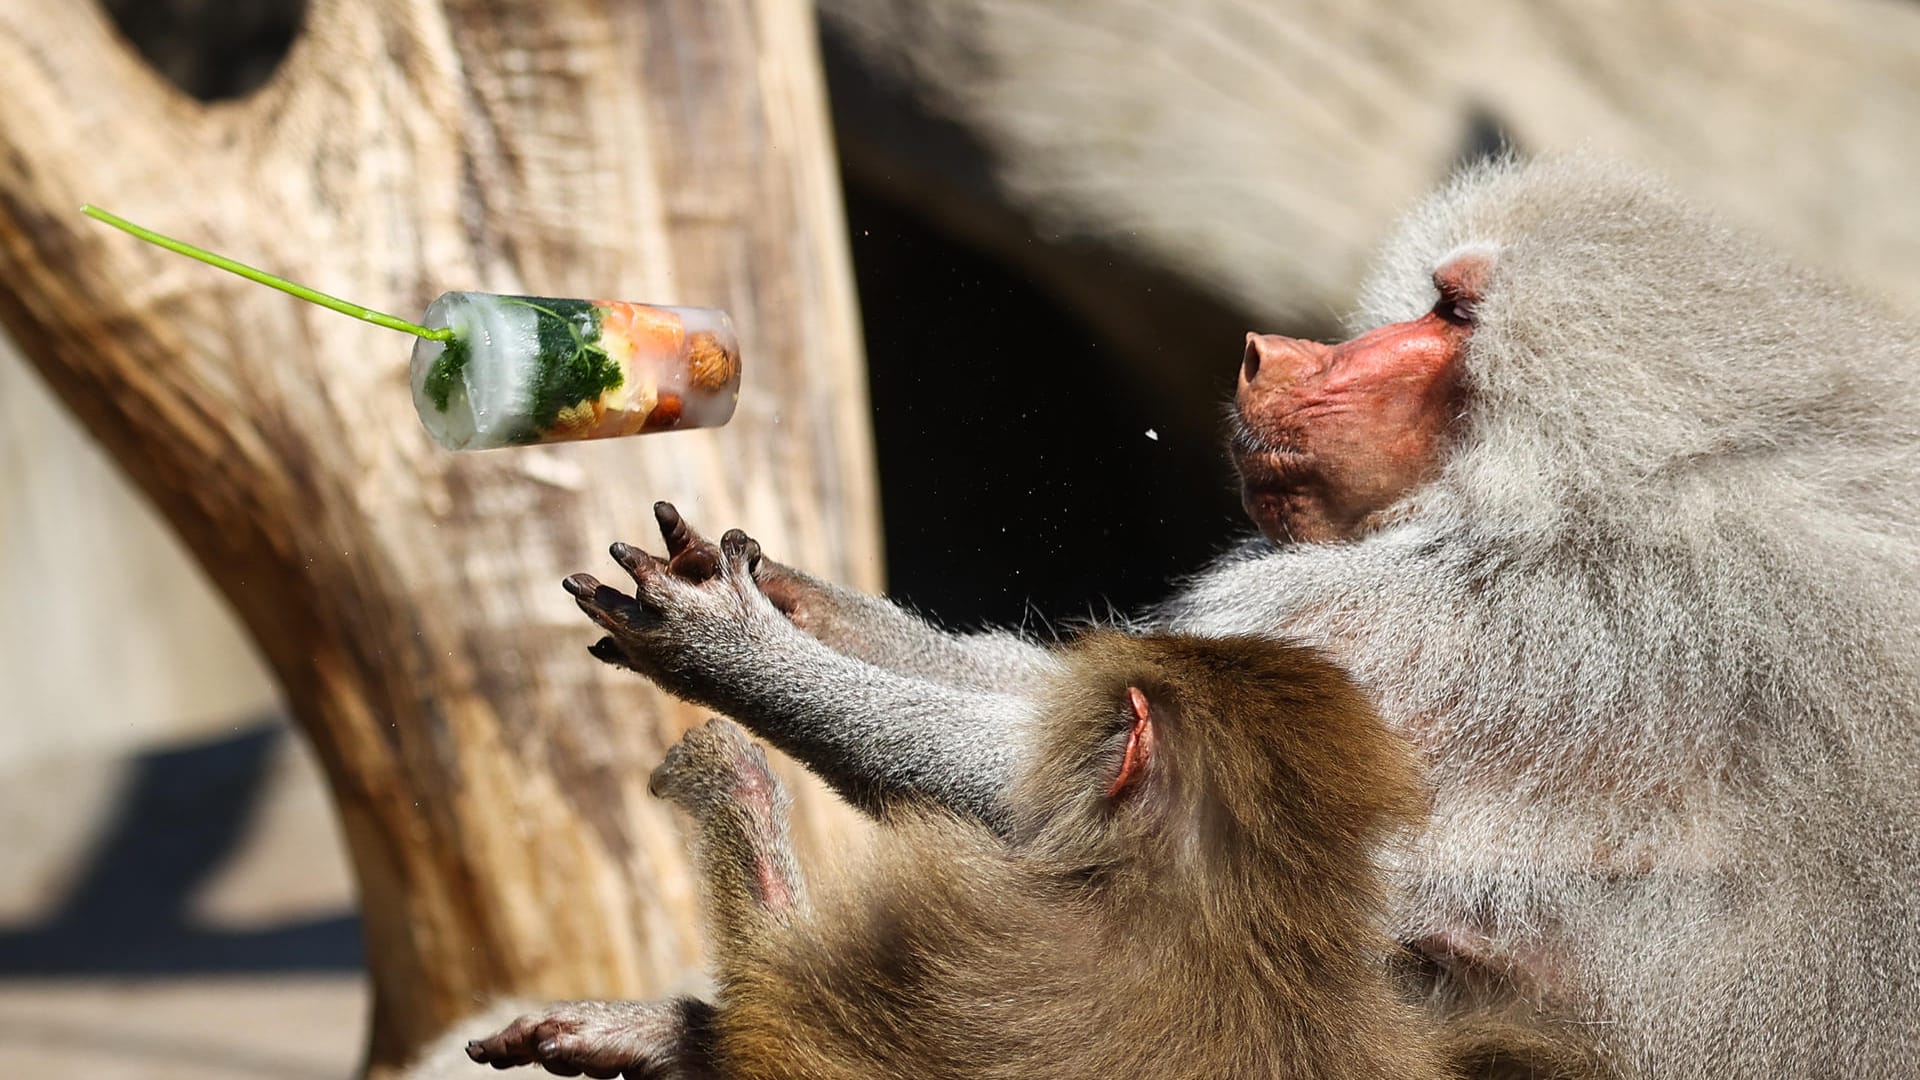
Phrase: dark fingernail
(549, 1046)
(673, 528)
(606, 650)
(624, 554)
(475, 1052)
(580, 585)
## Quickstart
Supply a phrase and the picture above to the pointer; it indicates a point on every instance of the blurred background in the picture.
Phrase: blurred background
(1063, 216)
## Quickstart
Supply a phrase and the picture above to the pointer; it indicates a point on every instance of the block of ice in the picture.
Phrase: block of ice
(530, 369)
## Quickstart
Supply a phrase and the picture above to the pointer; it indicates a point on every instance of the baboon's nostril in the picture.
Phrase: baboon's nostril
(1250, 362)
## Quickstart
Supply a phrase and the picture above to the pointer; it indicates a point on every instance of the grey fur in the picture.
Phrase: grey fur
(1663, 605)
(872, 629)
(875, 734)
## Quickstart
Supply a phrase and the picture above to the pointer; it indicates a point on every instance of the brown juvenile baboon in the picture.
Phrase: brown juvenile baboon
(1616, 514)
(1186, 886)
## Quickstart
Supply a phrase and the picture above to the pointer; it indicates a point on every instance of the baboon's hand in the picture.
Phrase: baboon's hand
(639, 1040)
(691, 557)
(803, 599)
(697, 629)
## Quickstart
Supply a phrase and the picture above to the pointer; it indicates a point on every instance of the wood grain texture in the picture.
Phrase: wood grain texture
(489, 774)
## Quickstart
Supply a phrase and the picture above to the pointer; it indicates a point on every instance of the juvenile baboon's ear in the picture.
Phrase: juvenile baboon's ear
(1133, 765)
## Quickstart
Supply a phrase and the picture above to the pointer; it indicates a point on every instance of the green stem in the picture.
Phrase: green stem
(580, 343)
(312, 296)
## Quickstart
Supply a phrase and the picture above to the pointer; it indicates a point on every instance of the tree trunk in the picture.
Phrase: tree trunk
(490, 775)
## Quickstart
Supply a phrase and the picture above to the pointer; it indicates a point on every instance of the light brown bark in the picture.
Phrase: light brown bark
(490, 776)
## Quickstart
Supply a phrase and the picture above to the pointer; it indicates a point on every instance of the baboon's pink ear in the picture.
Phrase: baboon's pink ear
(1133, 766)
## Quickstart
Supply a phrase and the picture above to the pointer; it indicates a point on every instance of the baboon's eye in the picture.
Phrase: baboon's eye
(1133, 765)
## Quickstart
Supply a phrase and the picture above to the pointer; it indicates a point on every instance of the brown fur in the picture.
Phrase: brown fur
(1223, 918)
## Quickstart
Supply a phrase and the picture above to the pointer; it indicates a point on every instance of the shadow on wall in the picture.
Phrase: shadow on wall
(179, 818)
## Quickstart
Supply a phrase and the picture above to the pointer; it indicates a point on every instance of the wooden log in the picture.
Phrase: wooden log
(489, 774)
